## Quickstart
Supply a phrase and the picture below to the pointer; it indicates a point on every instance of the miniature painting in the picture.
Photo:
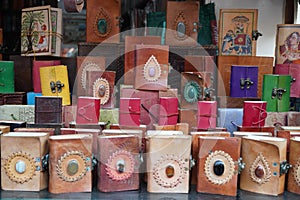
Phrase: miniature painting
(288, 44)
(235, 32)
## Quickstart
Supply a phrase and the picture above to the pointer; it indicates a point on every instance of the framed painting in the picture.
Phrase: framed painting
(288, 44)
(235, 32)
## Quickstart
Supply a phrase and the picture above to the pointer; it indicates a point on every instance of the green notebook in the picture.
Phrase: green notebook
(7, 81)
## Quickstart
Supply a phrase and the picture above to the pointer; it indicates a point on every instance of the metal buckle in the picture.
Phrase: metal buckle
(45, 162)
(59, 85)
(280, 92)
(284, 167)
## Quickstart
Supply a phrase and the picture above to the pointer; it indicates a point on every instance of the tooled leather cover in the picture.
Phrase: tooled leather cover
(36, 65)
(293, 70)
(193, 86)
(149, 104)
(130, 112)
(168, 111)
(63, 154)
(287, 135)
(263, 159)
(207, 114)
(293, 183)
(118, 166)
(167, 166)
(101, 84)
(270, 129)
(211, 179)
(84, 64)
(183, 14)
(50, 131)
(100, 13)
(152, 68)
(275, 102)
(48, 110)
(254, 113)
(29, 150)
(188, 116)
(130, 57)
(224, 63)
(243, 73)
(88, 110)
(195, 149)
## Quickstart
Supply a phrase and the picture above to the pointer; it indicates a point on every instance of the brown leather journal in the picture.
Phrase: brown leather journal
(118, 163)
(84, 64)
(195, 149)
(152, 68)
(293, 183)
(167, 166)
(188, 116)
(265, 164)
(48, 110)
(130, 57)
(22, 156)
(182, 23)
(102, 21)
(265, 66)
(70, 163)
(50, 131)
(218, 165)
(269, 129)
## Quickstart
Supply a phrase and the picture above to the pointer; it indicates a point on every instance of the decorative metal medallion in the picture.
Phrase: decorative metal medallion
(72, 166)
(102, 24)
(152, 70)
(90, 66)
(296, 172)
(20, 167)
(260, 171)
(101, 90)
(192, 92)
(120, 165)
(181, 27)
(219, 167)
(170, 170)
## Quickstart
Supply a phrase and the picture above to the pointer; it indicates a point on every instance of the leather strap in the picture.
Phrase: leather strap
(262, 115)
(73, 5)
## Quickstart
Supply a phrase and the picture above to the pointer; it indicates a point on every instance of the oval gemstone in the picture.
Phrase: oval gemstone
(120, 166)
(102, 26)
(101, 90)
(191, 92)
(170, 171)
(219, 168)
(180, 29)
(151, 71)
(20, 166)
(259, 171)
(72, 167)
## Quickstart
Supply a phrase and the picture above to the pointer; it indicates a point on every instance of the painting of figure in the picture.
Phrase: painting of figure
(288, 44)
(235, 32)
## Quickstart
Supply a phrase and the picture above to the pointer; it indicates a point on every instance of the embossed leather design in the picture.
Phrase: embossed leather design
(107, 11)
(63, 149)
(48, 110)
(88, 110)
(212, 149)
(152, 68)
(130, 57)
(23, 148)
(168, 167)
(118, 166)
(263, 154)
(182, 18)
(293, 183)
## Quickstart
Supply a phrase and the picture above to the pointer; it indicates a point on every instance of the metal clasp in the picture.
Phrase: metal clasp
(278, 92)
(207, 93)
(59, 85)
(284, 167)
(241, 165)
(245, 82)
(45, 162)
(94, 161)
(192, 162)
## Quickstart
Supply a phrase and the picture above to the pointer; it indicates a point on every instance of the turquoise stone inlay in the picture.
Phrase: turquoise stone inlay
(102, 26)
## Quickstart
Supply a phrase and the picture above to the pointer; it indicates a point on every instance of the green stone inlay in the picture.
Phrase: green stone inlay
(72, 167)
(102, 26)
(191, 92)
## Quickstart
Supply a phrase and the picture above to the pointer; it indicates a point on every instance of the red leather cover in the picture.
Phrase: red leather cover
(149, 104)
(118, 167)
(130, 111)
(254, 113)
(168, 112)
(88, 110)
(36, 65)
(207, 114)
